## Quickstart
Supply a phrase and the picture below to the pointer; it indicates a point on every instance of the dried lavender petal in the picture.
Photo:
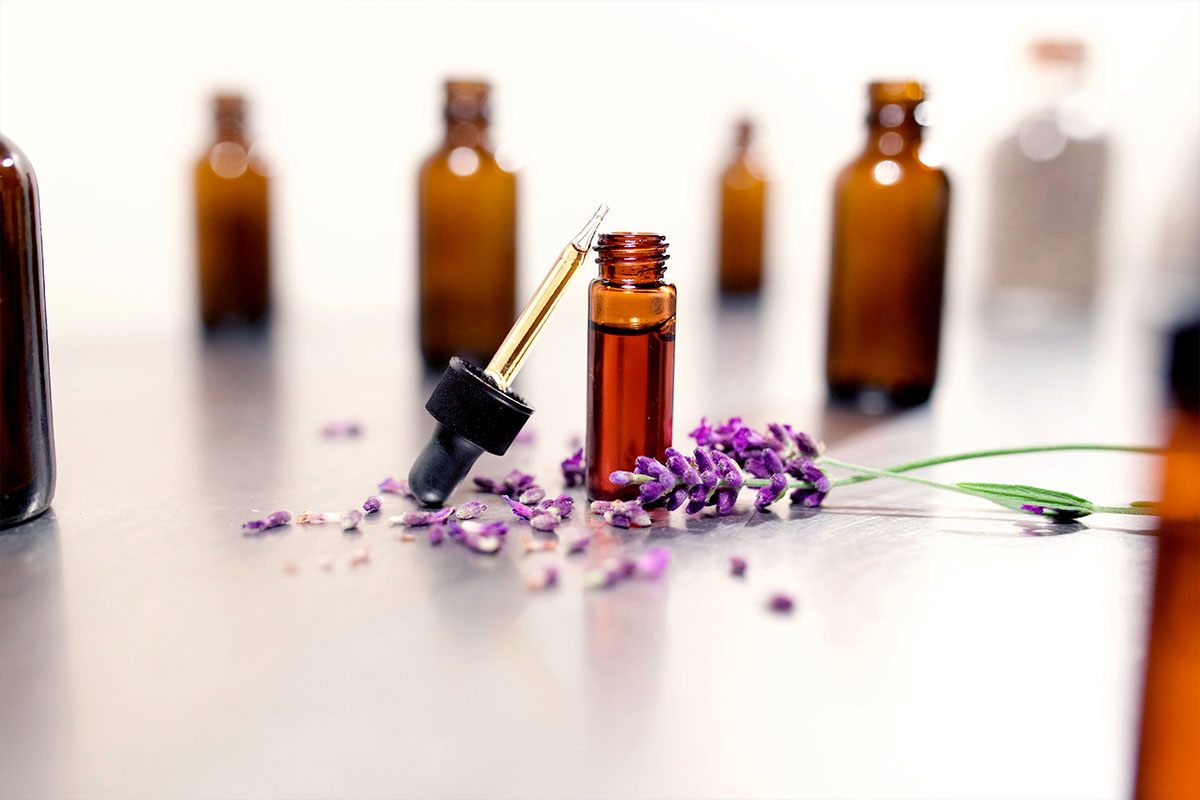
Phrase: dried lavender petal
(520, 509)
(600, 507)
(518, 481)
(757, 467)
(537, 546)
(372, 504)
(254, 525)
(561, 505)
(437, 535)
(351, 518)
(533, 495)
(619, 519)
(778, 436)
(653, 563)
(395, 486)
(781, 603)
(574, 470)
(470, 510)
(277, 518)
(816, 476)
(737, 566)
(544, 521)
(544, 578)
(413, 519)
(493, 528)
(639, 518)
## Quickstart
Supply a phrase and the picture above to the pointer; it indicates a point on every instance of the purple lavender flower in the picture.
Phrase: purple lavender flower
(709, 480)
(514, 483)
(600, 507)
(415, 519)
(574, 470)
(676, 462)
(653, 563)
(576, 541)
(725, 500)
(737, 566)
(728, 469)
(351, 518)
(653, 491)
(544, 520)
(550, 577)
(677, 498)
(747, 441)
(254, 525)
(807, 445)
(702, 433)
(781, 603)
(809, 498)
(644, 465)
(395, 486)
(520, 509)
(804, 469)
(532, 495)
(470, 510)
(779, 437)
(704, 459)
(561, 505)
(372, 504)
(626, 514)
(273, 520)
(622, 477)
(480, 537)
(697, 498)
(437, 535)
(771, 492)
(610, 572)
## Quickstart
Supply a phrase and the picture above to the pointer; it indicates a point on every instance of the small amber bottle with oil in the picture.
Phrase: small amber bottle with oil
(890, 214)
(467, 236)
(743, 205)
(631, 358)
(233, 222)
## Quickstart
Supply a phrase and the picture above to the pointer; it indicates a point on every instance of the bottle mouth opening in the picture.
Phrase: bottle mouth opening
(631, 248)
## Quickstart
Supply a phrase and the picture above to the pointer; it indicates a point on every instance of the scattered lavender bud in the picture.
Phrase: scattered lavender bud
(737, 566)
(413, 519)
(576, 541)
(561, 505)
(493, 528)
(395, 486)
(639, 517)
(470, 510)
(619, 519)
(544, 578)
(481, 537)
(437, 535)
(771, 492)
(520, 509)
(574, 470)
(254, 525)
(340, 428)
(600, 507)
(544, 521)
(278, 518)
(533, 495)
(372, 504)
(781, 603)
(551, 576)
(653, 563)
(351, 518)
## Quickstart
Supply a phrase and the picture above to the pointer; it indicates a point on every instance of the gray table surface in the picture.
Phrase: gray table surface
(940, 647)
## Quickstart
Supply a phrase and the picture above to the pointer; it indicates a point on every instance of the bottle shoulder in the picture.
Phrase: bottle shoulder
(16, 171)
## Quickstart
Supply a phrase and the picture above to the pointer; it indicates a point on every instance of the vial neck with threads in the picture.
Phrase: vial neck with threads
(895, 120)
(637, 259)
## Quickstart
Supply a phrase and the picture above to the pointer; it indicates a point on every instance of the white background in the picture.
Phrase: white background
(629, 104)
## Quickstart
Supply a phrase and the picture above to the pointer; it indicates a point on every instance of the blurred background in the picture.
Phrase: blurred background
(630, 104)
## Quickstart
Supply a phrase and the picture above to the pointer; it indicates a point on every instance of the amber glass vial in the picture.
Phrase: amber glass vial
(1169, 759)
(743, 203)
(888, 259)
(26, 428)
(467, 231)
(233, 230)
(631, 358)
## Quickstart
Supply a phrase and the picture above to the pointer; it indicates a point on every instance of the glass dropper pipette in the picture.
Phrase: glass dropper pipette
(510, 356)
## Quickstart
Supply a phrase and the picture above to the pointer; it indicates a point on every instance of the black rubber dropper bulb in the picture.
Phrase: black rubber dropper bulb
(474, 409)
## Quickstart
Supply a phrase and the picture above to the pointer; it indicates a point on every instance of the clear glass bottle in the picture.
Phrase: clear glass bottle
(631, 358)
(1170, 735)
(1048, 185)
(743, 203)
(233, 223)
(890, 220)
(467, 232)
(27, 471)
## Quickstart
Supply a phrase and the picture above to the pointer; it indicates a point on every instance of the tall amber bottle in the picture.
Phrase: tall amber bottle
(26, 429)
(631, 358)
(889, 252)
(467, 230)
(233, 223)
(743, 203)
(1169, 758)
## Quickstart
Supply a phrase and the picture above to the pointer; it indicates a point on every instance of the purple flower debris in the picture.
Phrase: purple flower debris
(372, 504)
(737, 566)
(414, 519)
(576, 541)
(542, 578)
(771, 492)
(781, 603)
(351, 518)
(482, 537)
(437, 535)
(341, 428)
(561, 505)
(520, 509)
(533, 495)
(395, 486)
(470, 510)
(622, 514)
(653, 563)
(274, 520)
(514, 484)
(307, 517)
(543, 520)
(574, 470)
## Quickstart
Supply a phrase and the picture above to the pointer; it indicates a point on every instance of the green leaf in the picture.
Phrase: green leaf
(1028, 495)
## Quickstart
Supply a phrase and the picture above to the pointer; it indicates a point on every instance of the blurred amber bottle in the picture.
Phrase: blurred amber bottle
(1169, 759)
(233, 223)
(890, 215)
(743, 201)
(631, 359)
(26, 429)
(467, 228)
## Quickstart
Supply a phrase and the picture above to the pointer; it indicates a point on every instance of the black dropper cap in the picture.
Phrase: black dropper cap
(473, 415)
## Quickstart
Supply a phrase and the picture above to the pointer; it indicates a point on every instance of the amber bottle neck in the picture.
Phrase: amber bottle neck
(892, 130)
(467, 133)
(632, 258)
